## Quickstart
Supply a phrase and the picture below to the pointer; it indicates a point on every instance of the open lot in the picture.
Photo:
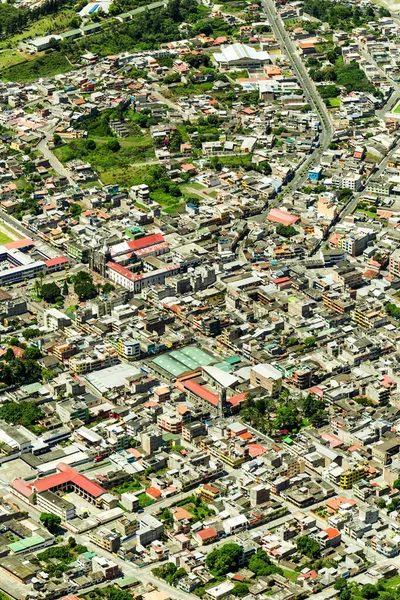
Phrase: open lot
(8, 234)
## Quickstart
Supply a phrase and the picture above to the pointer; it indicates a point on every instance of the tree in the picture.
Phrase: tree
(50, 521)
(381, 503)
(261, 564)
(21, 413)
(90, 145)
(396, 484)
(49, 292)
(240, 590)
(307, 546)
(65, 288)
(287, 417)
(84, 287)
(113, 145)
(30, 333)
(309, 341)
(345, 594)
(75, 209)
(369, 590)
(224, 559)
(32, 353)
(9, 355)
(340, 584)
(71, 542)
(286, 231)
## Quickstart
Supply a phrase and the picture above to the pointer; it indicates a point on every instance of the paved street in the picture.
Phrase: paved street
(309, 88)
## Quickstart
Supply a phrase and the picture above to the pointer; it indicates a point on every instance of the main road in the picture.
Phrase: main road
(309, 88)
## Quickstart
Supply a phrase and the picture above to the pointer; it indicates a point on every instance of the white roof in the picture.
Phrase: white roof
(268, 371)
(238, 51)
(234, 521)
(224, 379)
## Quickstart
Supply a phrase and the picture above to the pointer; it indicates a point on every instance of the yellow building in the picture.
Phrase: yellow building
(351, 476)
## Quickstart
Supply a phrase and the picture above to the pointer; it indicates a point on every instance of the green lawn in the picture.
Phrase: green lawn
(145, 500)
(117, 164)
(169, 204)
(393, 581)
(397, 108)
(45, 65)
(190, 89)
(291, 575)
(4, 239)
(10, 58)
(62, 21)
(334, 102)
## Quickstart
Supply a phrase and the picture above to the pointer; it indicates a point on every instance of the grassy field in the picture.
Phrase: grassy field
(334, 102)
(190, 89)
(4, 239)
(45, 65)
(64, 20)
(168, 203)
(10, 58)
(113, 167)
(397, 108)
(291, 575)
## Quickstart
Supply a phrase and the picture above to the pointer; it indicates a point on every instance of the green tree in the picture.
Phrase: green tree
(57, 140)
(240, 590)
(84, 287)
(261, 564)
(49, 292)
(75, 209)
(287, 417)
(286, 231)
(340, 584)
(307, 546)
(30, 333)
(32, 353)
(225, 559)
(309, 341)
(50, 521)
(9, 355)
(396, 484)
(369, 590)
(114, 145)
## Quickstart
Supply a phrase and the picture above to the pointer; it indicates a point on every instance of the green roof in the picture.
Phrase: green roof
(232, 360)
(288, 440)
(26, 543)
(32, 388)
(89, 555)
(224, 366)
(171, 436)
(91, 27)
(186, 359)
(127, 581)
(71, 33)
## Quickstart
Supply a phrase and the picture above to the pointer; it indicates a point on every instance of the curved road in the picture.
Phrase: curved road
(309, 88)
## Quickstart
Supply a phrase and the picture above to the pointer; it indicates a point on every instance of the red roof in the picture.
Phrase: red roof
(256, 450)
(59, 260)
(19, 244)
(202, 392)
(282, 217)
(331, 532)
(66, 474)
(19, 485)
(207, 534)
(235, 400)
(148, 240)
(153, 492)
